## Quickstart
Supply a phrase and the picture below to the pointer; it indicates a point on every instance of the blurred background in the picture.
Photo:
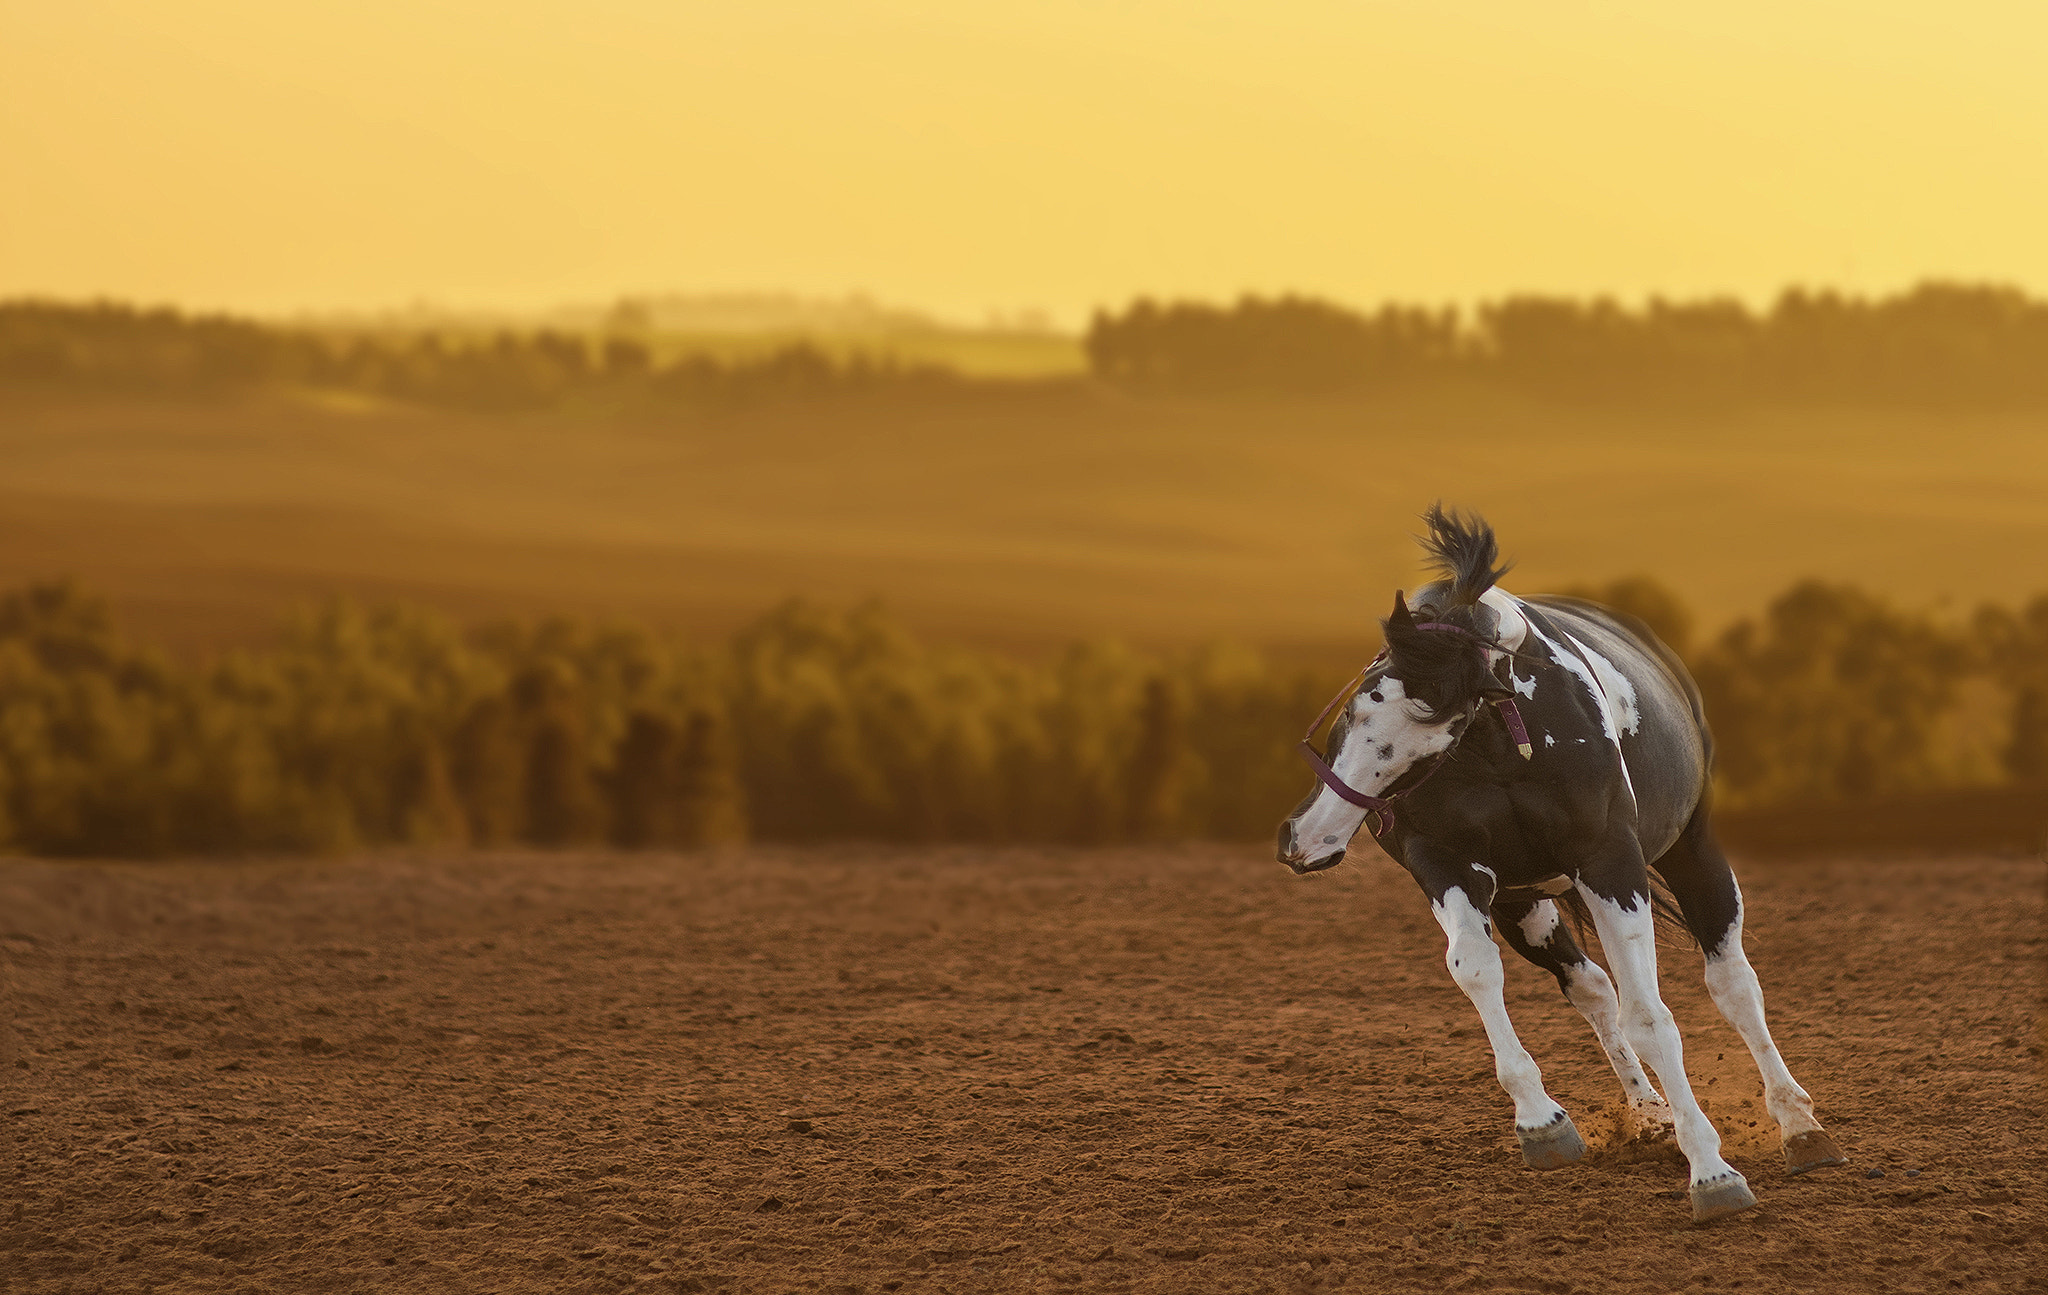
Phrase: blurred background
(671, 424)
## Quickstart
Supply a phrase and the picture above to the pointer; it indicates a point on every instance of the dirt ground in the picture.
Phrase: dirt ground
(964, 1070)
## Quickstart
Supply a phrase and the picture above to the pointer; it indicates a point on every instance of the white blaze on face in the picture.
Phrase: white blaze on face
(1382, 740)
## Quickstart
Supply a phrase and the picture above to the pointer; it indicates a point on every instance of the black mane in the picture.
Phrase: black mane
(1464, 551)
(1444, 671)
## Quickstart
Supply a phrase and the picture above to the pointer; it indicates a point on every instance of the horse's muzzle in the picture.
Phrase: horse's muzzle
(1304, 867)
(1301, 863)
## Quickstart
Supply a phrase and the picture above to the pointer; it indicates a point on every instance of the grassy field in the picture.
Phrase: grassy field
(1022, 517)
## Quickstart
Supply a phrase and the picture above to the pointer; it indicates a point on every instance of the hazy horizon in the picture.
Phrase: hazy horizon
(1055, 157)
(773, 311)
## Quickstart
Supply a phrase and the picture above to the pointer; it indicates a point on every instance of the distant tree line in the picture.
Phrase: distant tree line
(112, 348)
(392, 726)
(1936, 344)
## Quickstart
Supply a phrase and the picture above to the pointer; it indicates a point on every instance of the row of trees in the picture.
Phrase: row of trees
(1939, 343)
(373, 727)
(106, 347)
(393, 726)
(1833, 694)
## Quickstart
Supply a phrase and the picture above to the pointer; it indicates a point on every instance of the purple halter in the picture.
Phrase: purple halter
(1379, 810)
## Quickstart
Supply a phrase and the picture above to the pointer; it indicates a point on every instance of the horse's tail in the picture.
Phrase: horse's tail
(1464, 550)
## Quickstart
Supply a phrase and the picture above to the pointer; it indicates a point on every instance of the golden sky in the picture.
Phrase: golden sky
(962, 156)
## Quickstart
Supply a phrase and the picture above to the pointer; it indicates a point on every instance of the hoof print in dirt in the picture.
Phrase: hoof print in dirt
(1717, 1198)
(1811, 1150)
(1553, 1146)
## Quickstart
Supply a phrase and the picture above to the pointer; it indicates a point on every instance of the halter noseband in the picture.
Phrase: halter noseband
(1379, 810)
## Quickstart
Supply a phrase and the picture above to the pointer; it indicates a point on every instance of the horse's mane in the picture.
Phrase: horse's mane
(1464, 550)
(1443, 671)
(1440, 672)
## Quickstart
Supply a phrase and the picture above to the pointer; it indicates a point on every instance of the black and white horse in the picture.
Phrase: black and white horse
(1509, 751)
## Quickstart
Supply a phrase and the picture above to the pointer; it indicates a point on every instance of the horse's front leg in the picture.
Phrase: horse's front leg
(1533, 929)
(1619, 896)
(1545, 1131)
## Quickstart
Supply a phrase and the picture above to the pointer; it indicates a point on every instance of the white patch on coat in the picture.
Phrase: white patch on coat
(1549, 739)
(1539, 924)
(1616, 687)
(1513, 628)
(1571, 661)
(1526, 687)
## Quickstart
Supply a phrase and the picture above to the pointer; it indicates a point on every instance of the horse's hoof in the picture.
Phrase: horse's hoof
(1813, 1149)
(1553, 1146)
(1717, 1198)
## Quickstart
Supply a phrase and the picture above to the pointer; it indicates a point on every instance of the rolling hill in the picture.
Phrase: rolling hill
(1021, 515)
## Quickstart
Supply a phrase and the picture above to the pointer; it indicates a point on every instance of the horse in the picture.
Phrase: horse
(1517, 753)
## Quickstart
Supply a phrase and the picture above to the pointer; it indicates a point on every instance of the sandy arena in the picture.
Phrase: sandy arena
(873, 1069)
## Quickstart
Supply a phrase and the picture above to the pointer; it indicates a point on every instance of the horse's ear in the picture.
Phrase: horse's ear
(1401, 617)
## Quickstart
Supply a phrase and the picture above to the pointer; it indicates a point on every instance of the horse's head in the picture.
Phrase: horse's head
(1411, 705)
(1413, 702)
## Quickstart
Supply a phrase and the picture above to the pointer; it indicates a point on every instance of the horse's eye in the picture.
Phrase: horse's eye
(1375, 695)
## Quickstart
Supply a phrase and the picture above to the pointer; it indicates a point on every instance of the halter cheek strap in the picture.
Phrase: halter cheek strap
(1379, 810)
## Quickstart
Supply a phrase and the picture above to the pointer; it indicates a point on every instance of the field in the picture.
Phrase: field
(882, 1070)
(1022, 518)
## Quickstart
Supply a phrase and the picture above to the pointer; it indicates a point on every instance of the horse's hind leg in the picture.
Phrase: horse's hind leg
(1711, 902)
(1533, 930)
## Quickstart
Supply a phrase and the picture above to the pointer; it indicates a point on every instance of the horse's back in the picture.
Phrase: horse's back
(1659, 721)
